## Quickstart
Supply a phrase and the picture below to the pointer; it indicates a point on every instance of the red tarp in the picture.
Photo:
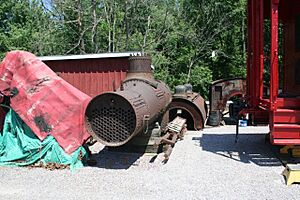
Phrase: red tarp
(44, 101)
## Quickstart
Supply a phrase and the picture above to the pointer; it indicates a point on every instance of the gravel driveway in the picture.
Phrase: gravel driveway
(205, 165)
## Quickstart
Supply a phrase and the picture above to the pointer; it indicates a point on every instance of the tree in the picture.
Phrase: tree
(195, 41)
(22, 25)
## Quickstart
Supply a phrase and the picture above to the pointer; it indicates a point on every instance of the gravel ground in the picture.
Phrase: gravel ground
(205, 165)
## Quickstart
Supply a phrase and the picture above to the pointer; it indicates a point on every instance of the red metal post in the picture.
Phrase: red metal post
(261, 49)
(274, 54)
(255, 15)
(249, 52)
(255, 62)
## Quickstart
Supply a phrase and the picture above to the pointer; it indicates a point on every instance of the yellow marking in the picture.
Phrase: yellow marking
(295, 150)
(292, 173)
(285, 149)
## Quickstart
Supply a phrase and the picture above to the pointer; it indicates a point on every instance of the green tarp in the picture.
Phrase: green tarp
(19, 146)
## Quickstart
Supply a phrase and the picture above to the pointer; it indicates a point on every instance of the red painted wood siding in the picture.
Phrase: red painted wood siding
(92, 76)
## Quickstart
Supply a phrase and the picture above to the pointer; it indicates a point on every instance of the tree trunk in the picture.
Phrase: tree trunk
(107, 15)
(146, 33)
(126, 26)
(80, 26)
(190, 70)
(94, 29)
(114, 27)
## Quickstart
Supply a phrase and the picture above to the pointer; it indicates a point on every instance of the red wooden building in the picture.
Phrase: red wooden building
(93, 74)
(274, 46)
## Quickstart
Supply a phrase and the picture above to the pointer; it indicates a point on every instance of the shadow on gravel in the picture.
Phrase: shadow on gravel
(249, 148)
(114, 160)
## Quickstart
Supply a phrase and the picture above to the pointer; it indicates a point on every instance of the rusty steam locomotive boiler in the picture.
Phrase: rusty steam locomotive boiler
(188, 105)
(113, 118)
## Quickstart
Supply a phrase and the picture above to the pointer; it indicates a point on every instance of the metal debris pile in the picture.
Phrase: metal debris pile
(174, 131)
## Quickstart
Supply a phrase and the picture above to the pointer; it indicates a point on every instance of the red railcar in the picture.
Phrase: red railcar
(274, 45)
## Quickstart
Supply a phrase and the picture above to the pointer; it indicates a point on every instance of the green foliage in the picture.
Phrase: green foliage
(195, 41)
(201, 78)
(23, 26)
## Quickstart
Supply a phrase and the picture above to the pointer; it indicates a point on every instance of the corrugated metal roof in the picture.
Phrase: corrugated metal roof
(88, 56)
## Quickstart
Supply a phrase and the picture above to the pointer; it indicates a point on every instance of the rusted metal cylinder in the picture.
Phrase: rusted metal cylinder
(113, 118)
(188, 105)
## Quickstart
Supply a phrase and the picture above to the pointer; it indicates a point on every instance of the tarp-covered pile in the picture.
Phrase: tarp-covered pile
(19, 146)
(46, 120)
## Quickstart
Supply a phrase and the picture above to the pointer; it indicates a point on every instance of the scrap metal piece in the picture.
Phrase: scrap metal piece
(220, 92)
(174, 131)
(189, 105)
(113, 118)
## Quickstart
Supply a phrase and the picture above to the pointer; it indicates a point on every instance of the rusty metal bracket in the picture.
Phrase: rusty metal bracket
(155, 85)
(146, 119)
(174, 131)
